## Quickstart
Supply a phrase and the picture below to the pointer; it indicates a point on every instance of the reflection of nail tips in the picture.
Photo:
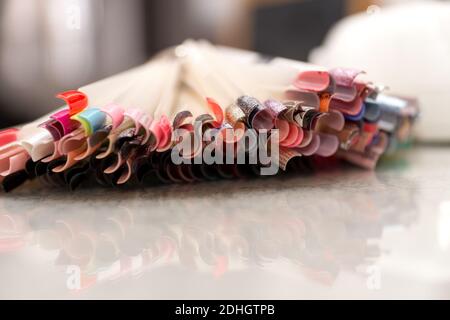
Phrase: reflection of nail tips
(141, 239)
(320, 114)
(91, 119)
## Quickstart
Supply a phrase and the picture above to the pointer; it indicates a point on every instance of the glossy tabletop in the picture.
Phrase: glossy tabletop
(344, 233)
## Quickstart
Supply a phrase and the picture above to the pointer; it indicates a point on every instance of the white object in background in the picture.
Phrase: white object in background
(406, 46)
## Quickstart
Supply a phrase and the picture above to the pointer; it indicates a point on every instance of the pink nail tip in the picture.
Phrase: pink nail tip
(316, 81)
(115, 113)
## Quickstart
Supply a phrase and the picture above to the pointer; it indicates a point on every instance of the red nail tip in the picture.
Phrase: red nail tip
(76, 100)
(216, 109)
(8, 136)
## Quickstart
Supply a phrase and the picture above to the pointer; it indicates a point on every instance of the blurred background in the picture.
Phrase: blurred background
(47, 46)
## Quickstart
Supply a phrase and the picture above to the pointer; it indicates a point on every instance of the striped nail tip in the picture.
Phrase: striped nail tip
(91, 120)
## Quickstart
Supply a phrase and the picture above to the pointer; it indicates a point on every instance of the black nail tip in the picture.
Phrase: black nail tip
(14, 180)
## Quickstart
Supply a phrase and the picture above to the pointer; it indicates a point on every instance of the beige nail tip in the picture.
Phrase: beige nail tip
(115, 166)
(70, 161)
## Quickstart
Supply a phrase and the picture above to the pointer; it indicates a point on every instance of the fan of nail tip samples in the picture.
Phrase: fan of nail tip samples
(124, 129)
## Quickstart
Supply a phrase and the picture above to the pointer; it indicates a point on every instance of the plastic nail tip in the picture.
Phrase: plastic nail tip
(291, 136)
(276, 107)
(373, 112)
(182, 118)
(30, 167)
(115, 165)
(8, 136)
(332, 120)
(359, 116)
(111, 141)
(298, 140)
(307, 138)
(72, 141)
(283, 127)
(249, 106)
(315, 81)
(14, 180)
(114, 136)
(287, 154)
(115, 114)
(264, 119)
(310, 99)
(329, 144)
(55, 155)
(312, 147)
(91, 119)
(126, 173)
(156, 135)
(72, 172)
(8, 152)
(38, 143)
(216, 110)
(70, 160)
(348, 108)
(234, 115)
(345, 76)
(63, 118)
(54, 128)
(76, 101)
(94, 143)
(141, 121)
(344, 93)
(16, 163)
(165, 141)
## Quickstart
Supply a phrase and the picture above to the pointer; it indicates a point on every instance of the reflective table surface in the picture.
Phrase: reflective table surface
(344, 233)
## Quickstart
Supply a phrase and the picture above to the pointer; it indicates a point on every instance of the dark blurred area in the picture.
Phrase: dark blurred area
(47, 46)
